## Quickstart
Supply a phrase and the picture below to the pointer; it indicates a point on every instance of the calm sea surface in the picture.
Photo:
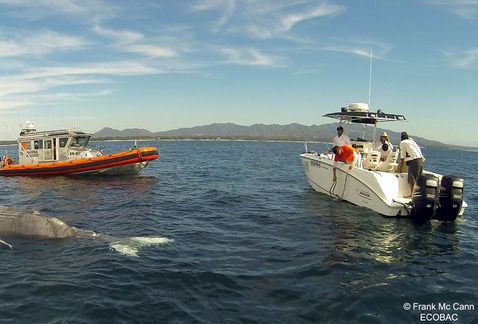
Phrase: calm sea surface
(253, 243)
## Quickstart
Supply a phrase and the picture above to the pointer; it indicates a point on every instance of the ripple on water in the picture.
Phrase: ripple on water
(252, 243)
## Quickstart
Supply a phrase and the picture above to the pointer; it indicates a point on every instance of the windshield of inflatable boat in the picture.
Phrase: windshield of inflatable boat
(79, 141)
(365, 117)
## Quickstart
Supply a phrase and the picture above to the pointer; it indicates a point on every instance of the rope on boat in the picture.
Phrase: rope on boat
(332, 189)
(334, 184)
(345, 183)
(406, 206)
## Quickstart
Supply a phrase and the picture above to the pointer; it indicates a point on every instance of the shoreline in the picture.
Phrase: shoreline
(207, 140)
(221, 139)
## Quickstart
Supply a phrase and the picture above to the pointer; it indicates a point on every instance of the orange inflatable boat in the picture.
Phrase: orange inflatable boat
(127, 162)
(65, 152)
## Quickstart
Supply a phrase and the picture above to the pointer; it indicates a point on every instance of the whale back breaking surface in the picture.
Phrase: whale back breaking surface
(15, 221)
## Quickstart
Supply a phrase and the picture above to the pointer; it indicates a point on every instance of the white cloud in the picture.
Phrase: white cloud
(8, 48)
(88, 10)
(122, 36)
(15, 89)
(129, 41)
(209, 4)
(7, 105)
(30, 84)
(265, 19)
(122, 68)
(50, 98)
(466, 9)
(323, 9)
(38, 44)
(60, 97)
(157, 43)
(250, 56)
(353, 49)
(465, 59)
(150, 50)
(107, 68)
(359, 47)
(226, 7)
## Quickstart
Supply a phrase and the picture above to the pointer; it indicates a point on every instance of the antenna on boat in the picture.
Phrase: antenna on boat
(370, 79)
(20, 144)
(370, 95)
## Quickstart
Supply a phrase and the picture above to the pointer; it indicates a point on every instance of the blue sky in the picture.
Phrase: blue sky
(162, 65)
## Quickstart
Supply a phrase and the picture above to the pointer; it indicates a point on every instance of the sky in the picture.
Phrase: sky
(165, 64)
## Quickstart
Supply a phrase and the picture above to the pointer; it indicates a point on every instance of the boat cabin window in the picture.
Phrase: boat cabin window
(38, 144)
(79, 141)
(63, 141)
(47, 144)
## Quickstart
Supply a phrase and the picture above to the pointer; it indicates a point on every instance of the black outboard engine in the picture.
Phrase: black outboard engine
(425, 198)
(451, 198)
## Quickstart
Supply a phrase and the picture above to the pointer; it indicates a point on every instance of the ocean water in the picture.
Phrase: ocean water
(246, 241)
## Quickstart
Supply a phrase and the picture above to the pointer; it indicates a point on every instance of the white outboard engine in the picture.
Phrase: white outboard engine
(451, 198)
(425, 198)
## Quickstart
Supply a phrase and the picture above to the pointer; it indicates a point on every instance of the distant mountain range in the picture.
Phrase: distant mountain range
(290, 132)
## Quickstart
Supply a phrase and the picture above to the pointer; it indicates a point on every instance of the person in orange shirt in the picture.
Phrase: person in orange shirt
(347, 154)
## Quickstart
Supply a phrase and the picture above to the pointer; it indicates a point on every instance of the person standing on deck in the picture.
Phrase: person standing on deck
(412, 156)
(384, 146)
(340, 139)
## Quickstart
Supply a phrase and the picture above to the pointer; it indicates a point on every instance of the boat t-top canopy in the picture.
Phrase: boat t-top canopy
(359, 113)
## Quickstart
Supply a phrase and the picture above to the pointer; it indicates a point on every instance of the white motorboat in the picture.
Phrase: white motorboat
(375, 184)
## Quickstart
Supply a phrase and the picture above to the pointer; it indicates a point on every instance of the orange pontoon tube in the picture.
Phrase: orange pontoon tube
(132, 160)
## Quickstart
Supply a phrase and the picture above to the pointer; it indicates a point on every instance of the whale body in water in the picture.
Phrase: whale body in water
(15, 221)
